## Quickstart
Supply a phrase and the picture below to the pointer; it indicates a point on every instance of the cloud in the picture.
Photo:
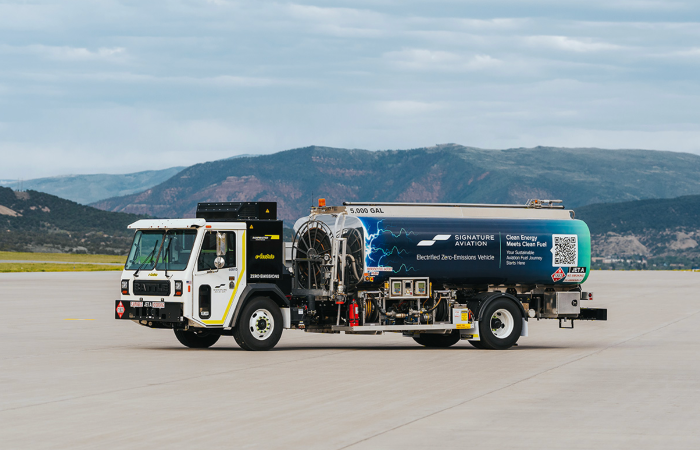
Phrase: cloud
(497, 23)
(569, 44)
(408, 107)
(336, 15)
(98, 84)
(65, 53)
(439, 60)
(690, 52)
(653, 5)
(82, 54)
(211, 82)
(339, 22)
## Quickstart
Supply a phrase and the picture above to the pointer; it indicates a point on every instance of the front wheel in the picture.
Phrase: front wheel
(500, 324)
(259, 325)
(196, 339)
(438, 340)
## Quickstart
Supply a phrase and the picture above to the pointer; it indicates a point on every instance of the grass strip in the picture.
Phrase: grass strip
(48, 267)
(71, 257)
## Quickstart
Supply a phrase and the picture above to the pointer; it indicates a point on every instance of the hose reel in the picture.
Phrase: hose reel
(311, 252)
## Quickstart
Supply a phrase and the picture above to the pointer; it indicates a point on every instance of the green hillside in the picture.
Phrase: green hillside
(35, 221)
(643, 215)
(444, 173)
(664, 232)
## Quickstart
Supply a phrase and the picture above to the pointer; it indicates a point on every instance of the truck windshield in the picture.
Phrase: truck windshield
(169, 250)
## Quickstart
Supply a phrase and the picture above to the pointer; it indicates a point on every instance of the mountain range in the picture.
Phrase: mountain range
(443, 173)
(623, 195)
(91, 188)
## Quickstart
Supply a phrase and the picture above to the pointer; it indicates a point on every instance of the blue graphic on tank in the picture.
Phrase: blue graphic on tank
(477, 251)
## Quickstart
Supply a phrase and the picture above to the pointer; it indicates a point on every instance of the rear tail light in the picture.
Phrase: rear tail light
(125, 287)
(178, 288)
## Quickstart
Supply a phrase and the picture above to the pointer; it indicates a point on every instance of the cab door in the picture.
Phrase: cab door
(214, 288)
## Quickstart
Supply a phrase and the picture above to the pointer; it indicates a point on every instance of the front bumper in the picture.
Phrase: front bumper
(164, 312)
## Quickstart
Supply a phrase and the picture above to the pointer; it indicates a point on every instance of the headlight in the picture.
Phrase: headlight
(178, 288)
(125, 287)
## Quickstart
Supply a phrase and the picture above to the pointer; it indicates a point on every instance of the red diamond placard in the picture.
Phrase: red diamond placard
(120, 309)
(558, 275)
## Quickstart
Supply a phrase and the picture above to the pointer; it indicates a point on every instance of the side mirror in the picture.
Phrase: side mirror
(219, 262)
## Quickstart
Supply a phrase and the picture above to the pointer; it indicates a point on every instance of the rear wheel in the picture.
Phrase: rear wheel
(500, 324)
(478, 344)
(259, 325)
(196, 339)
(438, 340)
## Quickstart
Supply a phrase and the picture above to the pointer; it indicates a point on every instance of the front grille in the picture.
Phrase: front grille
(161, 288)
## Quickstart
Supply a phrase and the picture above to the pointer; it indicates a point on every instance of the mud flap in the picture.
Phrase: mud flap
(471, 334)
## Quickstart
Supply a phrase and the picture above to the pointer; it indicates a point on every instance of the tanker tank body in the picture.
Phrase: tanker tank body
(441, 272)
(487, 245)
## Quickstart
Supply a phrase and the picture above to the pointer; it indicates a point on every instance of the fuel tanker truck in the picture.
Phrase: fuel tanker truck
(434, 272)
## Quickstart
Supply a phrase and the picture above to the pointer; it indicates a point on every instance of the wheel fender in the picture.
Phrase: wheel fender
(259, 289)
(484, 300)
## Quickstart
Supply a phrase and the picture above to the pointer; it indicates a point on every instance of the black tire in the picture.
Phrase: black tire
(267, 325)
(496, 331)
(438, 340)
(478, 344)
(196, 339)
(239, 341)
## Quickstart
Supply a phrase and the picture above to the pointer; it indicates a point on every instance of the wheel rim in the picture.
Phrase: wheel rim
(261, 324)
(502, 323)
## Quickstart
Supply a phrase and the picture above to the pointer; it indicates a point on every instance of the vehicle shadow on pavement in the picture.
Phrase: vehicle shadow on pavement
(413, 348)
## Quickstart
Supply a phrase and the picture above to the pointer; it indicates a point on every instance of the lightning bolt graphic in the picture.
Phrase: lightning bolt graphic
(373, 253)
(388, 253)
(391, 252)
(406, 268)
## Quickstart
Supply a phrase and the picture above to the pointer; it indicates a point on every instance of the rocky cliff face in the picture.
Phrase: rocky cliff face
(676, 243)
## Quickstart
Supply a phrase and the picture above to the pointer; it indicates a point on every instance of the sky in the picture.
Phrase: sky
(107, 86)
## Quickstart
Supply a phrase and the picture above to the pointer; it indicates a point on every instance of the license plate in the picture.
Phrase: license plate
(147, 304)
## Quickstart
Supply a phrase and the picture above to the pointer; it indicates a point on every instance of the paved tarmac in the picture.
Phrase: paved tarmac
(630, 383)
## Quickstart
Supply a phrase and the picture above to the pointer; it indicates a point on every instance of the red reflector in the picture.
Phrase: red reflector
(189, 288)
(208, 226)
(125, 292)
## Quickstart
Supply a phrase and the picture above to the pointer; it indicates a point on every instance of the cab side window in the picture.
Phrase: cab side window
(208, 252)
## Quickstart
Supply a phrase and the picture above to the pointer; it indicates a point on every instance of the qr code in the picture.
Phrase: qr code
(565, 250)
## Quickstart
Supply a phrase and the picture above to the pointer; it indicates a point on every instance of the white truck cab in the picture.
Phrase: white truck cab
(194, 275)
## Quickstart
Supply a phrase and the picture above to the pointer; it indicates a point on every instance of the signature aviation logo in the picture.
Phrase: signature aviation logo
(438, 237)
